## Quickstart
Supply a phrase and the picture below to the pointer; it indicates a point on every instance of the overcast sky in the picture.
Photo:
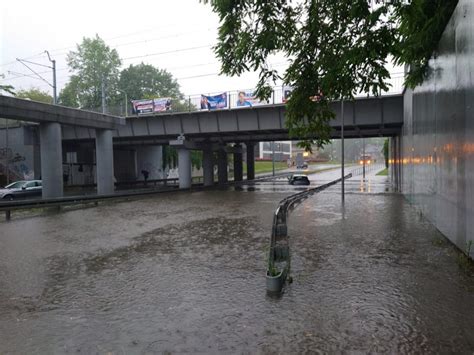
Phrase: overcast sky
(140, 30)
(135, 28)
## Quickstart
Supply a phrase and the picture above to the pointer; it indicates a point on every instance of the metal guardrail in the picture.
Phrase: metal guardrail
(368, 168)
(279, 244)
(279, 95)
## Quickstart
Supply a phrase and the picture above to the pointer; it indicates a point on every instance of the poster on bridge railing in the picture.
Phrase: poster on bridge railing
(162, 104)
(141, 107)
(286, 93)
(214, 102)
(246, 98)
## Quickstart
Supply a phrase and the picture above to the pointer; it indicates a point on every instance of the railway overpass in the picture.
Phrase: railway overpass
(211, 131)
(51, 119)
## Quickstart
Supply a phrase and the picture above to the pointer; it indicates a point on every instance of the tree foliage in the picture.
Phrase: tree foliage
(6, 88)
(385, 151)
(92, 62)
(35, 94)
(145, 81)
(335, 49)
(421, 25)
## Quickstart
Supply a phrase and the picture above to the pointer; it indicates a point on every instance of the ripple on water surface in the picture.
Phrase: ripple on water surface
(185, 273)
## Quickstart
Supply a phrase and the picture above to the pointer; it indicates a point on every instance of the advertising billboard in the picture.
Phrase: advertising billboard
(141, 107)
(162, 104)
(246, 98)
(214, 102)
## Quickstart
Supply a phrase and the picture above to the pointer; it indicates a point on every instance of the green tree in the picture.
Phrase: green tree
(92, 63)
(69, 95)
(385, 151)
(6, 88)
(145, 81)
(336, 48)
(35, 94)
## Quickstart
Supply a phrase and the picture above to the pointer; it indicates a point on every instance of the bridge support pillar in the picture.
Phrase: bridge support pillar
(104, 152)
(238, 166)
(150, 159)
(208, 166)
(250, 160)
(51, 159)
(184, 168)
(222, 166)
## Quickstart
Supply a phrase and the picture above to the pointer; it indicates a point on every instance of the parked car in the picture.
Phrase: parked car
(21, 189)
(298, 179)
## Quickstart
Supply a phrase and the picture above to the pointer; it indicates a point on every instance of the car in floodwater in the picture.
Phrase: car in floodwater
(298, 179)
(21, 189)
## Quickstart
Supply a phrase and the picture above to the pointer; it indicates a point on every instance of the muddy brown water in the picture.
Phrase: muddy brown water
(184, 273)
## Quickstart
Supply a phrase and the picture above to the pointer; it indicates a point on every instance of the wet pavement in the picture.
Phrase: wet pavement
(185, 273)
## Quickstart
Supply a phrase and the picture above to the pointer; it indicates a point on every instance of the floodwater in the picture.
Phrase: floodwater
(185, 273)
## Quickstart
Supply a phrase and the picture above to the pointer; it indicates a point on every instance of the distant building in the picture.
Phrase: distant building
(283, 150)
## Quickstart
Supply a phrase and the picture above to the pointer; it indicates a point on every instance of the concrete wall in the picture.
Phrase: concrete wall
(438, 134)
(23, 150)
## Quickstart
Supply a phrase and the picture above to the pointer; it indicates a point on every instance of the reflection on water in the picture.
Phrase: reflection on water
(185, 273)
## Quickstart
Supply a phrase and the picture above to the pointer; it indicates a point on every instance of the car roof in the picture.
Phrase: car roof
(299, 175)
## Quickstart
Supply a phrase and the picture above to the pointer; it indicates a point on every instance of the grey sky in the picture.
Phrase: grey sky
(140, 30)
(134, 28)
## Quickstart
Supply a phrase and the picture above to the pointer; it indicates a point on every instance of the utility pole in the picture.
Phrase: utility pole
(38, 76)
(363, 159)
(273, 157)
(55, 96)
(126, 101)
(104, 108)
(7, 157)
(342, 150)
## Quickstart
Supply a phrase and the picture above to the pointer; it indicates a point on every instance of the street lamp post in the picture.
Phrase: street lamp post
(55, 97)
(342, 149)
(273, 158)
(126, 101)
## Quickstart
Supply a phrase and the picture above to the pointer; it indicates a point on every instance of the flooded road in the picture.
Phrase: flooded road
(185, 272)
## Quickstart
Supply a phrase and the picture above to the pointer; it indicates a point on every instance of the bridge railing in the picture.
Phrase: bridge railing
(192, 103)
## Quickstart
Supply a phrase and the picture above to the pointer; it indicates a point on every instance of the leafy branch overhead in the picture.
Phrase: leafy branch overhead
(334, 47)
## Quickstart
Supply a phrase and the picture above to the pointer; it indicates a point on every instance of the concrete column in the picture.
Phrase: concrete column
(150, 158)
(222, 176)
(238, 165)
(104, 153)
(250, 160)
(208, 166)
(51, 159)
(184, 168)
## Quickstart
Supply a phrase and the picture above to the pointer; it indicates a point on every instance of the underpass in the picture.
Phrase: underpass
(184, 272)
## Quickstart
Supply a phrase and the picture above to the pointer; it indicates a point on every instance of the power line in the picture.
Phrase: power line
(53, 51)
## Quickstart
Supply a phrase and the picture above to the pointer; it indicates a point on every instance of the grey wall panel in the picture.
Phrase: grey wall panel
(366, 110)
(438, 133)
(126, 131)
(392, 110)
(191, 124)
(247, 120)
(172, 124)
(208, 122)
(155, 124)
(227, 121)
(140, 127)
(269, 119)
(68, 132)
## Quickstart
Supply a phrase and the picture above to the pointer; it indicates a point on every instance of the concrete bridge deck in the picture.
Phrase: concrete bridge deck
(32, 111)
(373, 116)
